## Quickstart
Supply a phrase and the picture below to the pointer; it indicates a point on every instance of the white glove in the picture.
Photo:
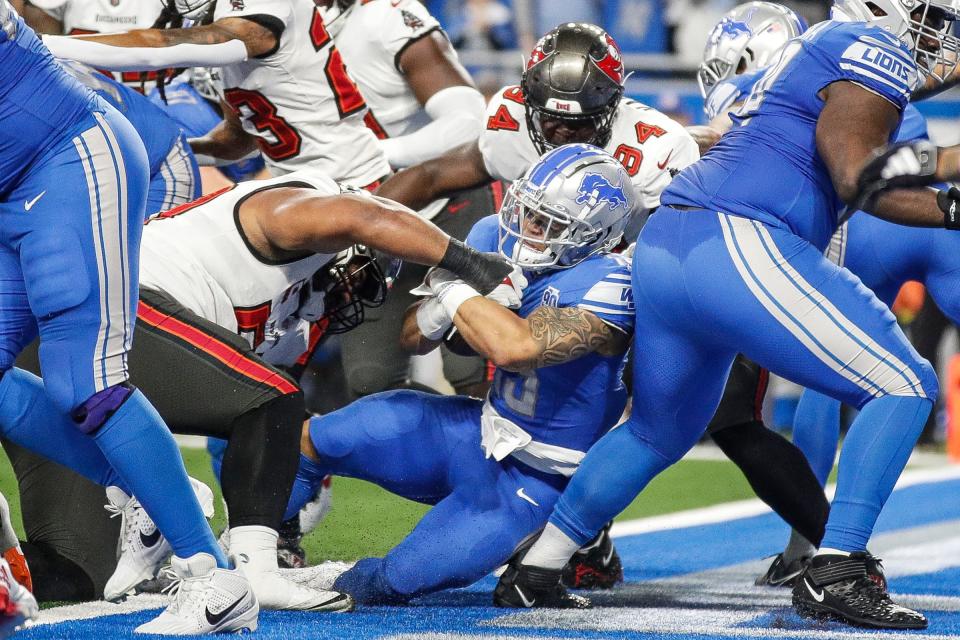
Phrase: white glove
(449, 290)
(432, 319)
(510, 292)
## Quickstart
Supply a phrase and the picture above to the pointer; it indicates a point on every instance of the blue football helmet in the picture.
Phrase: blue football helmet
(575, 202)
(747, 38)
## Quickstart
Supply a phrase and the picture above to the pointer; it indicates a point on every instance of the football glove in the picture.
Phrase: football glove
(901, 165)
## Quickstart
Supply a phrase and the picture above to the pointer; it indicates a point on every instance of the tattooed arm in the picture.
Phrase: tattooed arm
(548, 336)
(226, 41)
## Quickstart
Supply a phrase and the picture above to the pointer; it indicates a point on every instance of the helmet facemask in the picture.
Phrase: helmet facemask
(935, 49)
(353, 284)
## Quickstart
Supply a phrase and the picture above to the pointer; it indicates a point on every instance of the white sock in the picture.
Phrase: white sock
(255, 548)
(835, 552)
(552, 550)
(8, 537)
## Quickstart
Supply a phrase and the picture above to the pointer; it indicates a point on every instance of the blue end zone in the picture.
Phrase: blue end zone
(684, 583)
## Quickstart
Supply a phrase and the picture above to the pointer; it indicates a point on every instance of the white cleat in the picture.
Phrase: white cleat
(255, 549)
(17, 604)
(206, 600)
(313, 513)
(142, 549)
(320, 576)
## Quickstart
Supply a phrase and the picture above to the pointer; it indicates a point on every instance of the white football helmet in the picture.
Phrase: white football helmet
(575, 202)
(925, 26)
(747, 38)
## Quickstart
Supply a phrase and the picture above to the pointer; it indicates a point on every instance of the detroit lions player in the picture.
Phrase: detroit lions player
(174, 174)
(73, 179)
(883, 256)
(725, 267)
(494, 469)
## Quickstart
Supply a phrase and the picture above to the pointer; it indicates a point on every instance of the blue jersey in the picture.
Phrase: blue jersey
(776, 142)
(570, 404)
(39, 102)
(158, 131)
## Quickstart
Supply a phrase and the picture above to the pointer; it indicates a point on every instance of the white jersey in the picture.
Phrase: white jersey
(651, 146)
(198, 255)
(298, 100)
(106, 16)
(371, 35)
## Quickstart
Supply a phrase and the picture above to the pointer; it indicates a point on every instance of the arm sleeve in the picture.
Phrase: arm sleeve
(113, 58)
(457, 117)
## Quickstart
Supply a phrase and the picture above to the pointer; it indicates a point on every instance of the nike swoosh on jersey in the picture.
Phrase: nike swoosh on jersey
(663, 165)
(816, 596)
(28, 204)
(215, 618)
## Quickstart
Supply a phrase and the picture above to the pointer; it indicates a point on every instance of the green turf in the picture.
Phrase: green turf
(366, 520)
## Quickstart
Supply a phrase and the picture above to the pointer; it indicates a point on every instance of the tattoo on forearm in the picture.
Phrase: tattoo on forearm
(238, 29)
(568, 333)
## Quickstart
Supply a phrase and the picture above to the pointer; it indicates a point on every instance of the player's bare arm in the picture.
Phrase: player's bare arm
(418, 186)
(227, 141)
(853, 124)
(708, 135)
(38, 19)
(289, 222)
(548, 336)
(225, 41)
(430, 65)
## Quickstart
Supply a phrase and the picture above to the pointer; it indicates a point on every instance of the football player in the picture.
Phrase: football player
(883, 255)
(492, 469)
(174, 174)
(285, 85)
(231, 287)
(726, 267)
(74, 181)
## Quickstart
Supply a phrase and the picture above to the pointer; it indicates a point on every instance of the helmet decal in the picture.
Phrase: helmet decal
(612, 62)
(595, 189)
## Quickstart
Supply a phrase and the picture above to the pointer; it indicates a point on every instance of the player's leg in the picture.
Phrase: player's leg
(176, 181)
(396, 439)
(776, 469)
(224, 390)
(464, 537)
(79, 259)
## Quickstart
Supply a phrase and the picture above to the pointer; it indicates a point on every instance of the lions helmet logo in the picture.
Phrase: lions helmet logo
(595, 189)
(731, 29)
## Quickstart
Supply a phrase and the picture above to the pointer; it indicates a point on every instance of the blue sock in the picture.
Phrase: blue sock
(874, 453)
(615, 471)
(305, 487)
(28, 418)
(816, 431)
(140, 447)
(366, 584)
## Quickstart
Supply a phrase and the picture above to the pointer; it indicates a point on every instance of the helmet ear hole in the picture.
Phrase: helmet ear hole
(875, 10)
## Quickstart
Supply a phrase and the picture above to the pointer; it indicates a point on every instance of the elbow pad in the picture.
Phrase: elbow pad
(457, 115)
(114, 58)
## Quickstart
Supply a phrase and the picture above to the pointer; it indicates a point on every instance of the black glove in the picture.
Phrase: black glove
(949, 202)
(901, 165)
(482, 271)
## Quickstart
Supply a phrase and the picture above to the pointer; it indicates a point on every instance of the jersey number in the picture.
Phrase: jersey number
(521, 398)
(262, 114)
(630, 158)
(502, 120)
(345, 92)
(252, 322)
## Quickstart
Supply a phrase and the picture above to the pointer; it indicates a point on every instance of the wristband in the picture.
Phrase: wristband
(432, 319)
(947, 200)
(454, 296)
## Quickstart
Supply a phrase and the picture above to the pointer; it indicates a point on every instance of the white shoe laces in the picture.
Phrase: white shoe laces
(184, 592)
(129, 520)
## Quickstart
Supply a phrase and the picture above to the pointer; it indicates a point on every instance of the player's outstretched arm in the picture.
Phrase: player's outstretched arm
(418, 186)
(226, 41)
(853, 124)
(548, 336)
(286, 223)
(412, 338)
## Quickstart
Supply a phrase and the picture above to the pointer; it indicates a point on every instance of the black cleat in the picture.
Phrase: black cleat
(290, 554)
(525, 587)
(596, 565)
(875, 571)
(781, 574)
(838, 587)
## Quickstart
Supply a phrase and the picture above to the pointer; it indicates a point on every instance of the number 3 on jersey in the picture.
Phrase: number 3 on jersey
(281, 140)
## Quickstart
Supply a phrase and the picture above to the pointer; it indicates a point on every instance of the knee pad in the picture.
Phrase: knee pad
(54, 268)
(94, 413)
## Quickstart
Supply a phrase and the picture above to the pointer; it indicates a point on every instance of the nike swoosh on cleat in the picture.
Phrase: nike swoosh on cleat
(216, 618)
(607, 558)
(523, 598)
(523, 496)
(150, 540)
(28, 204)
(816, 596)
